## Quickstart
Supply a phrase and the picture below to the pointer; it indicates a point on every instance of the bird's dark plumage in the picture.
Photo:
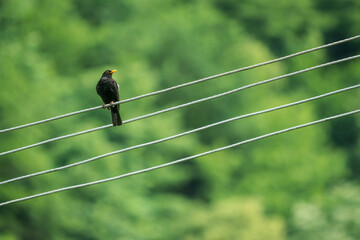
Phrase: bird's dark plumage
(108, 90)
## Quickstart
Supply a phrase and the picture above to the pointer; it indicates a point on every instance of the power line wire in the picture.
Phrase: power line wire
(181, 105)
(179, 135)
(182, 85)
(179, 160)
(56, 139)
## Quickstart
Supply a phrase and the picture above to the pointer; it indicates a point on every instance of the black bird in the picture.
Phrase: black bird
(108, 89)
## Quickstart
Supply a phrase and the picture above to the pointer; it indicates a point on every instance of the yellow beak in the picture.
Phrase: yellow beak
(113, 71)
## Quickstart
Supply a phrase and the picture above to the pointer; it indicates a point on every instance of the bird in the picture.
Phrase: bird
(108, 89)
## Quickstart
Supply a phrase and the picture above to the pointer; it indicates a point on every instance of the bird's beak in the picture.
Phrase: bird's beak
(113, 71)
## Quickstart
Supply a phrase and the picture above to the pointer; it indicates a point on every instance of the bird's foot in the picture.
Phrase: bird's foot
(111, 104)
(103, 106)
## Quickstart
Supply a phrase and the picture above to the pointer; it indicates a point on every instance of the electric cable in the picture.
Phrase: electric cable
(183, 85)
(179, 160)
(179, 135)
(182, 105)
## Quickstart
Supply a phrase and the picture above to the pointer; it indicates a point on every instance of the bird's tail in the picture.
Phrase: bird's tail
(115, 115)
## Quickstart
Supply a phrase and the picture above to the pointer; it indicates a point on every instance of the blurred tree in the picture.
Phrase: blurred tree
(235, 218)
(52, 55)
(338, 218)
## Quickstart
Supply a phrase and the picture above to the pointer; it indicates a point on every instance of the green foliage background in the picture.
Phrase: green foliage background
(301, 185)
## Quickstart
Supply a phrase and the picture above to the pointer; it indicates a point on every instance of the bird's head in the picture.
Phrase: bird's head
(108, 73)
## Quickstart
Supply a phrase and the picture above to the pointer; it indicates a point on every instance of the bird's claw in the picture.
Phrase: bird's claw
(103, 106)
(110, 104)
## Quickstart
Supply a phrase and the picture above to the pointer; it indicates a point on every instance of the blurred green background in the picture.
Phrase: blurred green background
(300, 185)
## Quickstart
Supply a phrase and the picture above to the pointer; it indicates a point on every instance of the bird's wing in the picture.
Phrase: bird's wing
(116, 87)
(98, 89)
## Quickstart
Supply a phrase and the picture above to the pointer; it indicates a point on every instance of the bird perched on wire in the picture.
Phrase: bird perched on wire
(108, 89)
